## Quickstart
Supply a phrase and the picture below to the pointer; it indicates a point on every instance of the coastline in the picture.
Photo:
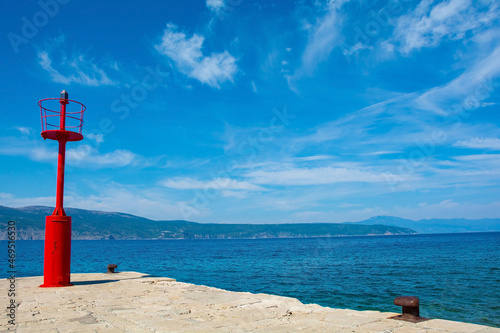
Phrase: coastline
(132, 301)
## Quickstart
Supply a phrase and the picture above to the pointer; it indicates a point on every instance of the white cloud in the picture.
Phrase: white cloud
(215, 5)
(324, 35)
(312, 158)
(10, 200)
(110, 197)
(79, 70)
(226, 184)
(429, 24)
(187, 55)
(254, 87)
(317, 176)
(467, 91)
(408, 149)
(234, 194)
(81, 155)
(383, 152)
(479, 157)
(349, 205)
(148, 203)
(479, 143)
(31, 149)
(24, 130)
(360, 46)
(88, 156)
(449, 203)
(98, 138)
(355, 125)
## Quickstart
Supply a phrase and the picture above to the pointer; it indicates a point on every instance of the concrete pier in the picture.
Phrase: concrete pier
(136, 302)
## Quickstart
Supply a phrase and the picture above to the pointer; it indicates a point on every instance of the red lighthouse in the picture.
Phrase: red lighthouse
(61, 125)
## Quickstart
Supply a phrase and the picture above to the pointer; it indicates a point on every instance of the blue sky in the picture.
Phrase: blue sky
(257, 111)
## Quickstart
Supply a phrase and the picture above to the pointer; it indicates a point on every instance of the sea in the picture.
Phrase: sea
(455, 276)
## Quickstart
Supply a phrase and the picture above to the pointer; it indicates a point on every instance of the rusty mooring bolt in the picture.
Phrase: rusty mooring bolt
(411, 309)
(111, 268)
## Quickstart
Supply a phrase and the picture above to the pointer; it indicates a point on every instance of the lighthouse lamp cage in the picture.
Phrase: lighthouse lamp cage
(54, 120)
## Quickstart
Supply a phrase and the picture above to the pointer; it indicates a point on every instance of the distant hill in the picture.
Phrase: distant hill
(89, 224)
(432, 226)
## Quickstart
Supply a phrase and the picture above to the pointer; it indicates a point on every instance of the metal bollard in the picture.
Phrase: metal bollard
(411, 309)
(111, 268)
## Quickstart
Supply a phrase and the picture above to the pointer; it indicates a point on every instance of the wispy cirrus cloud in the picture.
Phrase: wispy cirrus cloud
(78, 68)
(357, 124)
(186, 53)
(316, 176)
(479, 143)
(480, 158)
(24, 146)
(324, 35)
(429, 24)
(467, 91)
(83, 155)
(382, 152)
(186, 183)
(85, 72)
(312, 158)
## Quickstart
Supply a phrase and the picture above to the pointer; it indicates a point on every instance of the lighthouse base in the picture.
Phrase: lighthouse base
(57, 255)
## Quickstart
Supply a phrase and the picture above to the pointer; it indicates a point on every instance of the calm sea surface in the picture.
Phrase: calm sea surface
(456, 276)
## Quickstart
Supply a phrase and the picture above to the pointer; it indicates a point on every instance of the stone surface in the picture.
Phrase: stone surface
(135, 302)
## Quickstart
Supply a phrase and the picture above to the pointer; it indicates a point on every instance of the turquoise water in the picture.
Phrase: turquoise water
(456, 276)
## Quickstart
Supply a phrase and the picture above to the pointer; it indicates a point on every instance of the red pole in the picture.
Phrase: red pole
(63, 102)
(59, 210)
(57, 255)
(62, 137)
